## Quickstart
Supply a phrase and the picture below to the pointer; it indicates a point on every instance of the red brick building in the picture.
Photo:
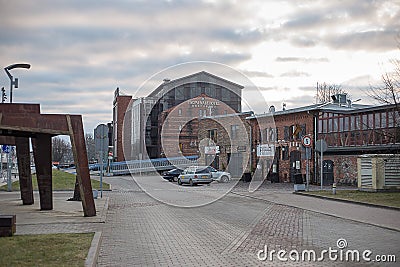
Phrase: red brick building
(225, 142)
(120, 105)
(179, 125)
(349, 131)
(282, 130)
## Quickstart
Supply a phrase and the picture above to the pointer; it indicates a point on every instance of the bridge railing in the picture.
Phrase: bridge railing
(138, 166)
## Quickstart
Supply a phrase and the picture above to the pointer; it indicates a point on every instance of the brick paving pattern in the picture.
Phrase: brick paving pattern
(144, 232)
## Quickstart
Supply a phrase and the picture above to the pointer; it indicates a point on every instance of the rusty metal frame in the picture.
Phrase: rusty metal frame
(18, 123)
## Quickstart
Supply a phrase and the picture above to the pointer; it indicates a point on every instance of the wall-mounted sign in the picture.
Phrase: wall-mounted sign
(241, 149)
(211, 150)
(265, 150)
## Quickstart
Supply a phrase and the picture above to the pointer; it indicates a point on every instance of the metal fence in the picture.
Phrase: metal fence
(143, 166)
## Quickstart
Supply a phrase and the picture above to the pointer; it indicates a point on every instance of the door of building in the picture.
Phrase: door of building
(236, 164)
(327, 169)
(295, 164)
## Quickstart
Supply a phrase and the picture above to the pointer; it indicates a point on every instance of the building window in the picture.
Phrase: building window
(286, 133)
(276, 134)
(180, 112)
(377, 120)
(271, 135)
(234, 131)
(285, 153)
(346, 123)
(212, 134)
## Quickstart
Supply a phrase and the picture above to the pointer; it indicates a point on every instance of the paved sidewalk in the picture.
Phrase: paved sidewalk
(66, 217)
(283, 194)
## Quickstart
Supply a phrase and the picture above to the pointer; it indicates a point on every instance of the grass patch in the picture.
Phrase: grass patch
(61, 181)
(379, 198)
(45, 250)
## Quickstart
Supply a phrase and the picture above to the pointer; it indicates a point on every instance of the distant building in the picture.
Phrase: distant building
(120, 105)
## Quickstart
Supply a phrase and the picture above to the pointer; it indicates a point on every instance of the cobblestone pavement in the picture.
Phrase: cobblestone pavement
(141, 231)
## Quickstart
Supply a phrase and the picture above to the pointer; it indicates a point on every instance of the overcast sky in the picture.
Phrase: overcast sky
(80, 51)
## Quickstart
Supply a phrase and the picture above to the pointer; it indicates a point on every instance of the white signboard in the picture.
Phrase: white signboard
(265, 150)
(211, 150)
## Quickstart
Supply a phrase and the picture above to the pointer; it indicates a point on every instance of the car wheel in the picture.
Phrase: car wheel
(191, 182)
(175, 179)
(224, 179)
(179, 182)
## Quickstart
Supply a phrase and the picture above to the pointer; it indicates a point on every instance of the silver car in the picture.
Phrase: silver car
(195, 175)
(219, 176)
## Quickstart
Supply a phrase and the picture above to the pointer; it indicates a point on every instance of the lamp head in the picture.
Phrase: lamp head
(18, 65)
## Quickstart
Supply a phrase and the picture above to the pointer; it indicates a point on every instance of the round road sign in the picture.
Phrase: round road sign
(306, 141)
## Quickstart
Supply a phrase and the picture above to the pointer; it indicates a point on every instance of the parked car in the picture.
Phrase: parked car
(172, 175)
(195, 175)
(219, 176)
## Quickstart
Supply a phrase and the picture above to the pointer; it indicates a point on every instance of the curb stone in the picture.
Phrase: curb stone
(91, 258)
(348, 201)
(320, 212)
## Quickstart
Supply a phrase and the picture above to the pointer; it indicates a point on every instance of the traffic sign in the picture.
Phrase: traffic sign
(306, 141)
(6, 149)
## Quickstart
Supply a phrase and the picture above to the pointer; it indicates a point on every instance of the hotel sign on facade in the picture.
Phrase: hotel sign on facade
(203, 103)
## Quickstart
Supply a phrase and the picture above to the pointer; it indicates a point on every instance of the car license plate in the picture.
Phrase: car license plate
(204, 176)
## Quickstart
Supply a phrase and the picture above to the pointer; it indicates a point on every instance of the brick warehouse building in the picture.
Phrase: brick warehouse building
(141, 129)
(350, 130)
(179, 125)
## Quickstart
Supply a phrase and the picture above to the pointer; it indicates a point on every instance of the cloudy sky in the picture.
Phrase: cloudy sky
(80, 51)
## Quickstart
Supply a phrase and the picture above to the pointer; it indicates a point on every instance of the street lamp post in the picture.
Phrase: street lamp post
(14, 82)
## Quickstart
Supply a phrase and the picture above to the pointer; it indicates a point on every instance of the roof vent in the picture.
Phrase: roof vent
(340, 99)
(166, 80)
(271, 109)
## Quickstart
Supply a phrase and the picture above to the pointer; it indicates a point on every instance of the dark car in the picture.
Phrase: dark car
(172, 175)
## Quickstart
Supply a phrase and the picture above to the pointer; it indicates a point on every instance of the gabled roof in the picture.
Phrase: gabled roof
(201, 76)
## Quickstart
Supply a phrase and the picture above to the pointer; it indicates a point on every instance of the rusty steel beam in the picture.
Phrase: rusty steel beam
(81, 162)
(42, 155)
(24, 170)
(19, 108)
(34, 123)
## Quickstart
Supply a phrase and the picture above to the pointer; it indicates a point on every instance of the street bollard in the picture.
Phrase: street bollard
(334, 188)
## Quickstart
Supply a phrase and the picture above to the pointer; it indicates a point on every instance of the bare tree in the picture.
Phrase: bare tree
(90, 147)
(60, 148)
(325, 91)
(389, 91)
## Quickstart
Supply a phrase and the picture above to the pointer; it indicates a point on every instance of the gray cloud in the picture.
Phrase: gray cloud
(295, 73)
(257, 74)
(301, 59)
(81, 51)
(369, 40)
